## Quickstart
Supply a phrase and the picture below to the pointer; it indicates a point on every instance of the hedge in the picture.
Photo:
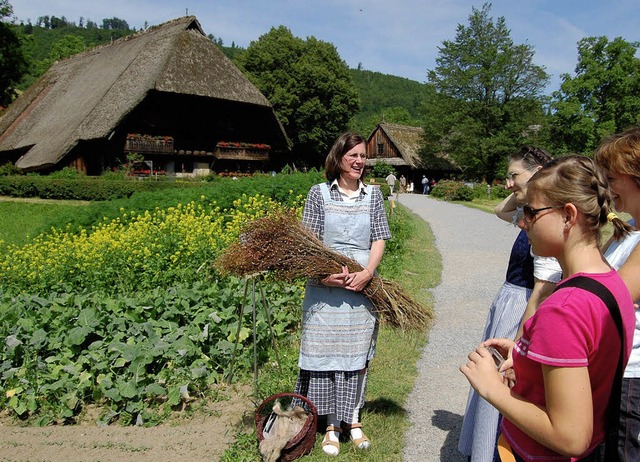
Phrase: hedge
(89, 188)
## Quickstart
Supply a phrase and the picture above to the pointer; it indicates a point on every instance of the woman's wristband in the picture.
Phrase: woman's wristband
(370, 274)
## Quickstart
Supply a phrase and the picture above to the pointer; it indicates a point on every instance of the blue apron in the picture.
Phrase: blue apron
(339, 327)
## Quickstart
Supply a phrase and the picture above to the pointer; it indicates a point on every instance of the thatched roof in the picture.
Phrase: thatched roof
(86, 96)
(407, 141)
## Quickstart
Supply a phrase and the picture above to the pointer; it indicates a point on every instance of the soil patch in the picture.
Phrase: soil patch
(203, 436)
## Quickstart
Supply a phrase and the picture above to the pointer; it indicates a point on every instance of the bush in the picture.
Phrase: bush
(9, 169)
(452, 191)
(382, 169)
(497, 191)
(78, 187)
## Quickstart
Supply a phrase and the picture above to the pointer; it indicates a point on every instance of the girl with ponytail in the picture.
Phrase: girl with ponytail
(565, 361)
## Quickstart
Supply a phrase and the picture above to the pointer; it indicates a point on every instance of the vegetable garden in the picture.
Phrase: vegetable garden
(127, 312)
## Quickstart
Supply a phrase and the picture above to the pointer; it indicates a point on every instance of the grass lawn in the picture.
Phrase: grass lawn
(392, 373)
(23, 219)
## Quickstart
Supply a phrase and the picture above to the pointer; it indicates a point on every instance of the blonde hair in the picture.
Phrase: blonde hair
(620, 153)
(575, 180)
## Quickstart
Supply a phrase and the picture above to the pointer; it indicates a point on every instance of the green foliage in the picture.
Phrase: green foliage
(13, 63)
(68, 173)
(9, 169)
(496, 191)
(71, 186)
(601, 99)
(386, 98)
(65, 47)
(137, 355)
(90, 330)
(224, 191)
(382, 169)
(309, 86)
(489, 93)
(53, 38)
(451, 190)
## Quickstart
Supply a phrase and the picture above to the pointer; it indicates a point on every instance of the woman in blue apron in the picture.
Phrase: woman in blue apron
(339, 325)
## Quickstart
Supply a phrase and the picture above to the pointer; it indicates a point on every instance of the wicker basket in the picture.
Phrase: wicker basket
(303, 442)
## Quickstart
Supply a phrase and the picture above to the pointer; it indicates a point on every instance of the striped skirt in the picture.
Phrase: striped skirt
(479, 432)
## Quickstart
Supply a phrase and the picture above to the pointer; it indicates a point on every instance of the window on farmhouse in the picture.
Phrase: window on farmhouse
(380, 149)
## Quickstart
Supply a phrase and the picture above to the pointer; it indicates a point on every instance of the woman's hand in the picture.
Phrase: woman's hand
(339, 279)
(359, 280)
(505, 347)
(481, 372)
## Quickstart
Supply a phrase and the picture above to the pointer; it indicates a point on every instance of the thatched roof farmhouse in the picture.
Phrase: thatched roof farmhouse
(396, 145)
(168, 85)
(400, 146)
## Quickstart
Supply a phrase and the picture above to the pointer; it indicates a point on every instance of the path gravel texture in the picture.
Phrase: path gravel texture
(475, 247)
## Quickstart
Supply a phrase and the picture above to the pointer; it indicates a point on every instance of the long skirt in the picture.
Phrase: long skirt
(479, 433)
(333, 392)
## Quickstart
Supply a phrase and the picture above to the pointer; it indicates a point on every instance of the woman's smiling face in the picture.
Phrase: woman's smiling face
(353, 162)
(517, 177)
(625, 191)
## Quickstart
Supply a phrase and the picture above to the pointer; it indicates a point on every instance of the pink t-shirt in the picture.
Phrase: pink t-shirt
(571, 328)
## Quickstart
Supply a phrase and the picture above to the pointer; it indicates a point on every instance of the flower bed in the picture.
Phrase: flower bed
(146, 143)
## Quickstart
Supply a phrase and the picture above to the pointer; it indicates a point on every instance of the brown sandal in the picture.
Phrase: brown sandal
(326, 441)
(358, 442)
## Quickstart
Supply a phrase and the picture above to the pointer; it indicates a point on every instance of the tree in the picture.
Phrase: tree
(487, 93)
(308, 85)
(602, 97)
(114, 24)
(13, 63)
(67, 46)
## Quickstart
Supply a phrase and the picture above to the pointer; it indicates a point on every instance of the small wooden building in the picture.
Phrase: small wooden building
(167, 93)
(396, 145)
(400, 146)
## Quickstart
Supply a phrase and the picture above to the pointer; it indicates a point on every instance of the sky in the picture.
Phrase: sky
(397, 37)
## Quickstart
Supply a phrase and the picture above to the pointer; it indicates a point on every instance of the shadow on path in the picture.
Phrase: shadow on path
(450, 423)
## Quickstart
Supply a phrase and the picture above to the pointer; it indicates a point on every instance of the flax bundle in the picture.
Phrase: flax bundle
(280, 244)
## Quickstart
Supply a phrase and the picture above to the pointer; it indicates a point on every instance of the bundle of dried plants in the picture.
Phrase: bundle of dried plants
(280, 244)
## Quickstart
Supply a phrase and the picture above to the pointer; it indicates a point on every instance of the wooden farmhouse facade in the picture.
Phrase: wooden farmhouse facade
(167, 93)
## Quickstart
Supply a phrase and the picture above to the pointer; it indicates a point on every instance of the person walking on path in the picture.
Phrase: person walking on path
(475, 248)
(391, 181)
(425, 184)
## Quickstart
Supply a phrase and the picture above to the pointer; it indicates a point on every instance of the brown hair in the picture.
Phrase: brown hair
(575, 179)
(620, 153)
(531, 157)
(345, 143)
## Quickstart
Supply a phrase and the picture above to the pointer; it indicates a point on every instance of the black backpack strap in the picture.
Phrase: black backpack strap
(613, 408)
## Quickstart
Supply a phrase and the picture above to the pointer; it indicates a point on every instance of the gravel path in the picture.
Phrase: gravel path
(475, 248)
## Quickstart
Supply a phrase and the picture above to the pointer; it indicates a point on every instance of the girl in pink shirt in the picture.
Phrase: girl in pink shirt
(566, 359)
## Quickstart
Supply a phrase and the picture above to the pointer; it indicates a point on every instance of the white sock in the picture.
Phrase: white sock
(332, 419)
(357, 432)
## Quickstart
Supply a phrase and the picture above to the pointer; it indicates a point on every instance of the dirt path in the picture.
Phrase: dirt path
(202, 437)
(475, 248)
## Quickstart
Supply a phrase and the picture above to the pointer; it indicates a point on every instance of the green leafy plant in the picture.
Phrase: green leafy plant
(451, 190)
